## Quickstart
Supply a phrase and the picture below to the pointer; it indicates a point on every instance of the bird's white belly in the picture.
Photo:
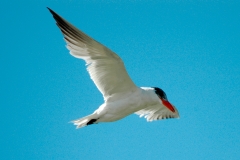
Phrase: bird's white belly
(118, 109)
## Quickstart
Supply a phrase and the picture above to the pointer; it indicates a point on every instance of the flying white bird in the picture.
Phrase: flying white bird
(121, 96)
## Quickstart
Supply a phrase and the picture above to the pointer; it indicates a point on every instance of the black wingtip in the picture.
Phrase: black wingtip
(55, 15)
(51, 11)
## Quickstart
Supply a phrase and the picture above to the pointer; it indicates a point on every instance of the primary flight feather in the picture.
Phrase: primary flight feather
(121, 96)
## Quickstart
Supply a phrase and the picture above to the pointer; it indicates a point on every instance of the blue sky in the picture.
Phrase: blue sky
(190, 49)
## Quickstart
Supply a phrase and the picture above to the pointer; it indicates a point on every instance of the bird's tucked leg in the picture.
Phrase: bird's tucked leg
(91, 121)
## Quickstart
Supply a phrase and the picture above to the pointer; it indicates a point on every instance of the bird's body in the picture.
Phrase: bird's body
(120, 106)
(121, 96)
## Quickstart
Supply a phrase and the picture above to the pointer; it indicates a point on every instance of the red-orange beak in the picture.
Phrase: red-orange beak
(168, 105)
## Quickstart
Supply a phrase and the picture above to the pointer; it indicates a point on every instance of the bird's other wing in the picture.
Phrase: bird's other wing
(157, 112)
(105, 67)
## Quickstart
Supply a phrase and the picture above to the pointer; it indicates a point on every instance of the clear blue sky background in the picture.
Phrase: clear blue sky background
(190, 49)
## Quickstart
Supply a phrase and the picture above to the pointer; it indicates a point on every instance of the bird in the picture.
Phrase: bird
(106, 69)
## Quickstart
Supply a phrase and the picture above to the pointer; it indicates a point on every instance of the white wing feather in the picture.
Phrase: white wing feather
(105, 67)
(157, 112)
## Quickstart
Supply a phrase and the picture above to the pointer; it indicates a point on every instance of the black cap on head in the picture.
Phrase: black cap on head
(160, 93)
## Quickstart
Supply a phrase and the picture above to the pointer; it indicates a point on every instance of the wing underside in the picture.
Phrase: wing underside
(157, 112)
(105, 67)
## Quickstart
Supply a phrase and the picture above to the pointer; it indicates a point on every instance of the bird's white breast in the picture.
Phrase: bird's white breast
(120, 106)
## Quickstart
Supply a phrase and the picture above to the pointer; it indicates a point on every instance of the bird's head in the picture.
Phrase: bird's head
(163, 97)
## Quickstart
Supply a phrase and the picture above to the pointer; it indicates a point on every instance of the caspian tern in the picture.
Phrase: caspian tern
(121, 96)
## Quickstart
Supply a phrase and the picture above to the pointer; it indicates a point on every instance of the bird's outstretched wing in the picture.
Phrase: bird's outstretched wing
(157, 112)
(105, 67)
